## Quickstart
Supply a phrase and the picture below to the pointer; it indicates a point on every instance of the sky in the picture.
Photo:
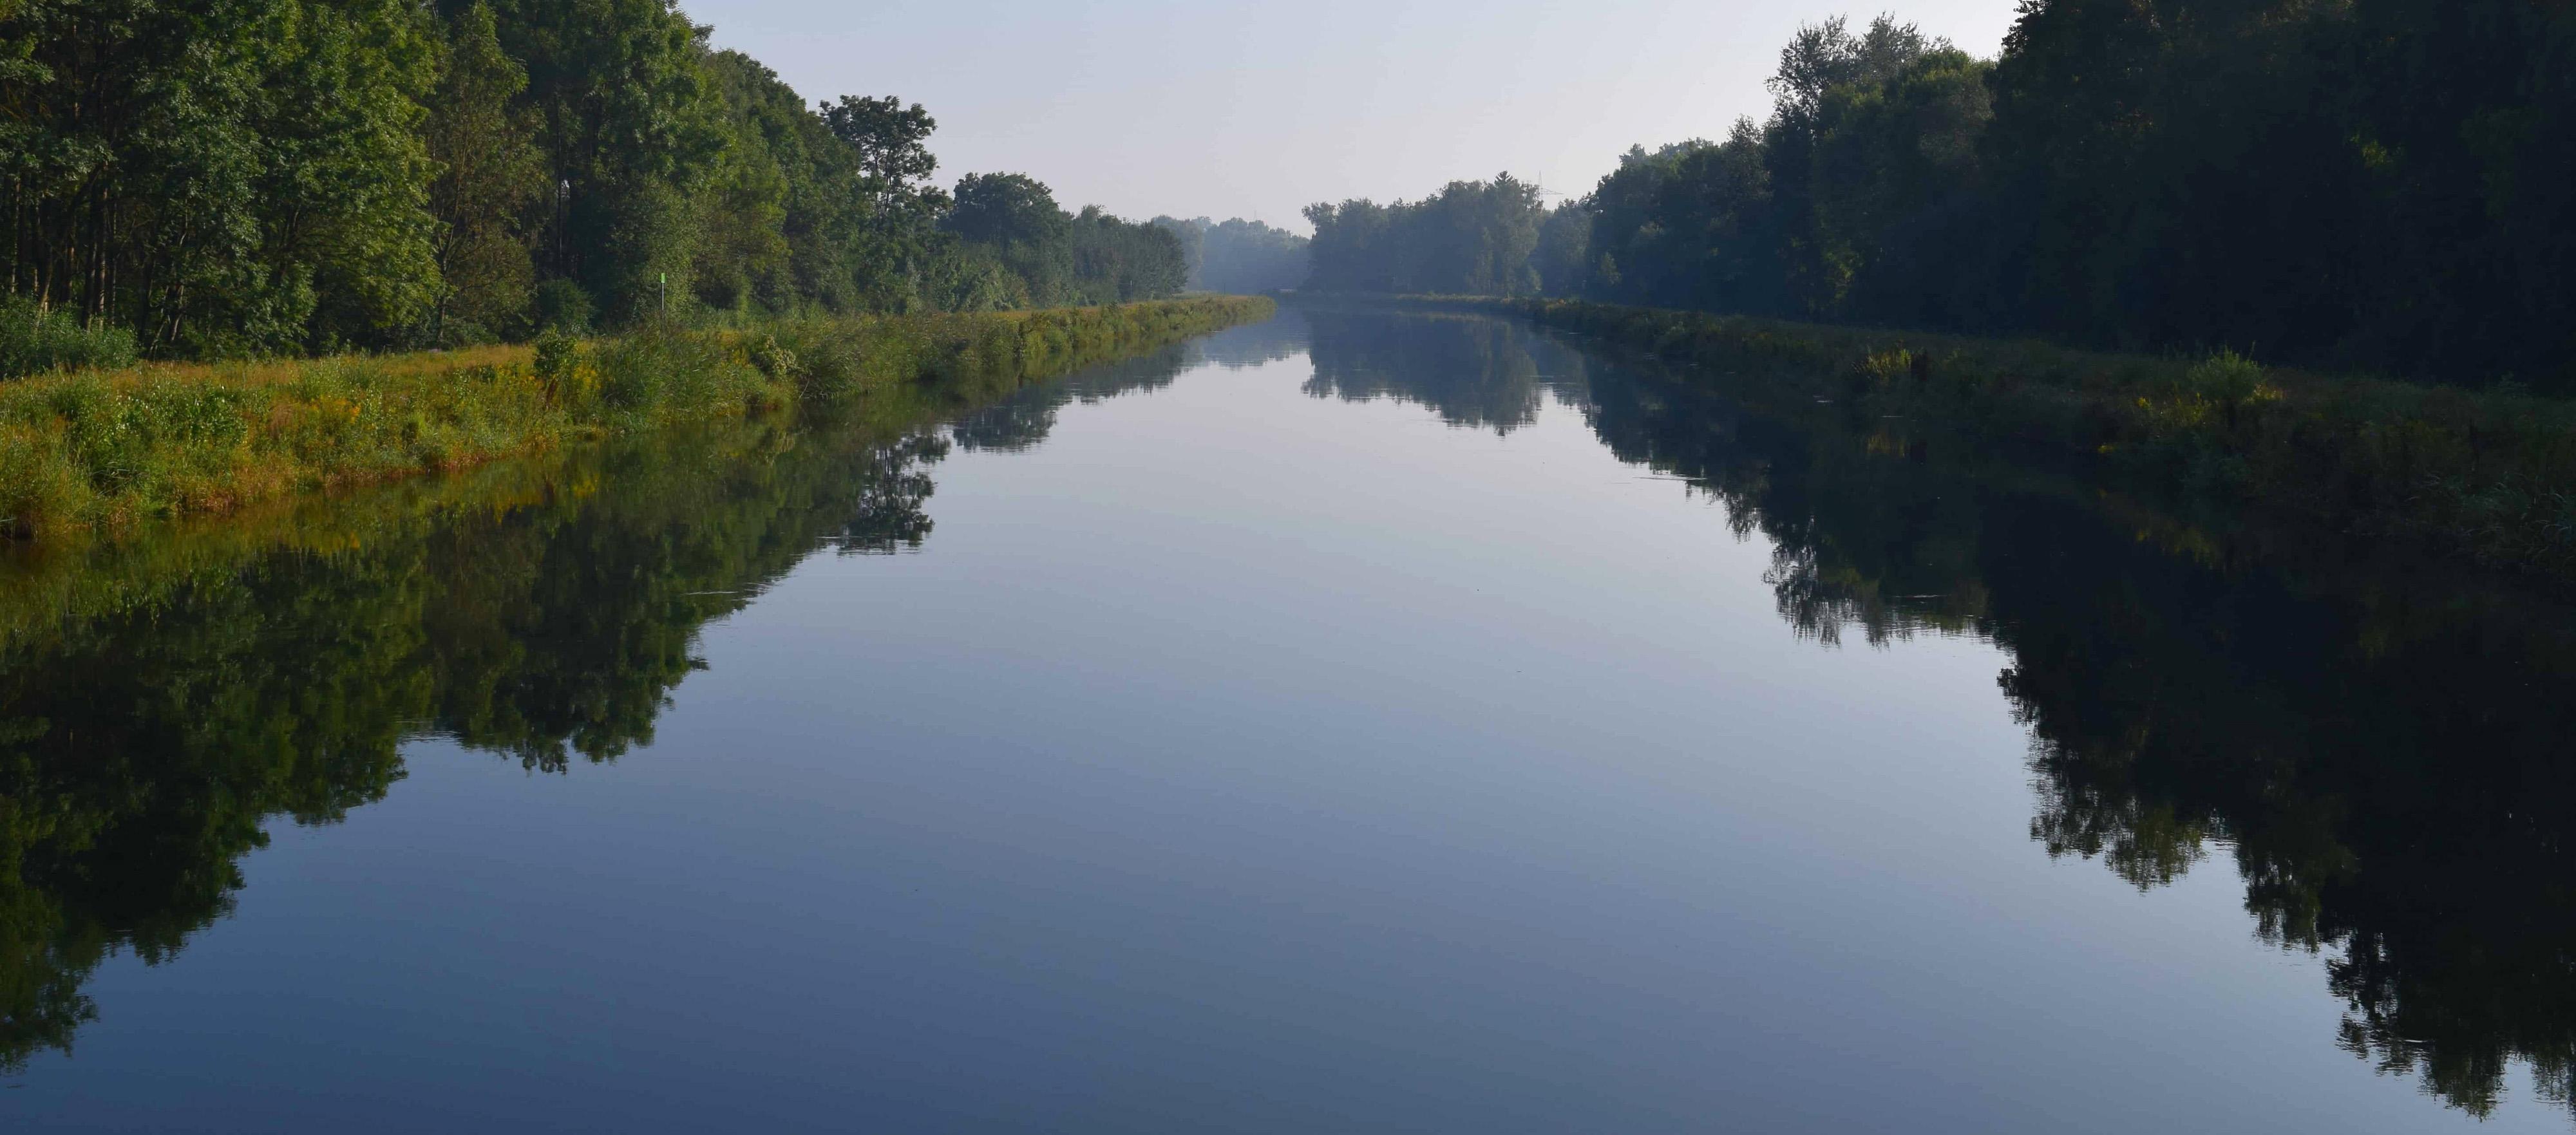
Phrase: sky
(1220, 108)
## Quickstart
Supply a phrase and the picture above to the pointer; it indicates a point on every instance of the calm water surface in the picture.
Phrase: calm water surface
(1355, 722)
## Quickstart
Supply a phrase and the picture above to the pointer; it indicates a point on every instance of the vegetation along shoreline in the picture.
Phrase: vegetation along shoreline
(2479, 473)
(102, 450)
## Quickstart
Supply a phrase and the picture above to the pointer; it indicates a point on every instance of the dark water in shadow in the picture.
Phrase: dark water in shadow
(1356, 722)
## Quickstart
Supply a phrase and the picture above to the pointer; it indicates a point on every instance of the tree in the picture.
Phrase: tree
(1117, 261)
(1013, 218)
(1471, 237)
(225, 180)
(633, 127)
(888, 139)
(1006, 208)
(490, 175)
(902, 261)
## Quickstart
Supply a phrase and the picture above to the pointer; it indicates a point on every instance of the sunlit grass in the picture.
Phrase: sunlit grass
(96, 451)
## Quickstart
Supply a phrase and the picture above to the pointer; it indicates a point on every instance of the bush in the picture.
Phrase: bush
(34, 340)
(41, 486)
(126, 436)
(670, 374)
(2226, 379)
(561, 307)
(559, 368)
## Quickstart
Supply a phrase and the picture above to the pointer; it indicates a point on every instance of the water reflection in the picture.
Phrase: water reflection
(2382, 746)
(2378, 745)
(543, 613)
(1023, 419)
(1472, 371)
(141, 753)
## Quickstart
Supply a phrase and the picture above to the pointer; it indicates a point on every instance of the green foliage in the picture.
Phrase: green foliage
(660, 374)
(2377, 186)
(139, 437)
(320, 175)
(1471, 238)
(96, 450)
(2479, 474)
(556, 362)
(1690, 224)
(2227, 379)
(540, 610)
(1014, 221)
(490, 175)
(560, 306)
(1020, 250)
(1006, 209)
(1117, 261)
(34, 339)
(226, 180)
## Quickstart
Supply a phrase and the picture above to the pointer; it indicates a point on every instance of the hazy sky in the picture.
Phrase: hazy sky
(1221, 108)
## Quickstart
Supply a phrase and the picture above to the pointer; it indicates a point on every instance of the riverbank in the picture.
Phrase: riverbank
(97, 451)
(2490, 474)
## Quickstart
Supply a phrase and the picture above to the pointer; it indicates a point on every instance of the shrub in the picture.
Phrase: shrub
(2225, 379)
(35, 339)
(561, 307)
(773, 360)
(559, 369)
(666, 373)
(41, 488)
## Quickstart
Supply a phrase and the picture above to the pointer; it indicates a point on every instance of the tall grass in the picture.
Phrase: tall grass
(101, 449)
(2491, 474)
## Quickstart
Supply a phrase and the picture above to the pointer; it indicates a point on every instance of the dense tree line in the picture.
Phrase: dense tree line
(1239, 257)
(310, 174)
(1472, 237)
(2369, 184)
(1028, 252)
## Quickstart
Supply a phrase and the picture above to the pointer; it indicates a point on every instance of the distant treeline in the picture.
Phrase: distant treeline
(306, 175)
(2381, 185)
(1472, 237)
(1238, 256)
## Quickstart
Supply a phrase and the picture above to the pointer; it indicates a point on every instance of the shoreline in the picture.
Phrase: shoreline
(2490, 475)
(90, 454)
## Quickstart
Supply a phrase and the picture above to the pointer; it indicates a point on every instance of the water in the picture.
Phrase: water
(1355, 722)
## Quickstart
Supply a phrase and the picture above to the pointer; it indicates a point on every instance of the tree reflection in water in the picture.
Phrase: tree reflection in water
(2381, 744)
(145, 743)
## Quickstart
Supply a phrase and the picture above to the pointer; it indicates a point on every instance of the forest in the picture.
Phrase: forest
(309, 176)
(2368, 185)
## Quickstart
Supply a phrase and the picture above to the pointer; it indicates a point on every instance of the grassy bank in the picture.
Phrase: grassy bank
(103, 450)
(2490, 474)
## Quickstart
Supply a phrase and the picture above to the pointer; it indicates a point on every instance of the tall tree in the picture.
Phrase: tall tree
(490, 175)
(633, 126)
